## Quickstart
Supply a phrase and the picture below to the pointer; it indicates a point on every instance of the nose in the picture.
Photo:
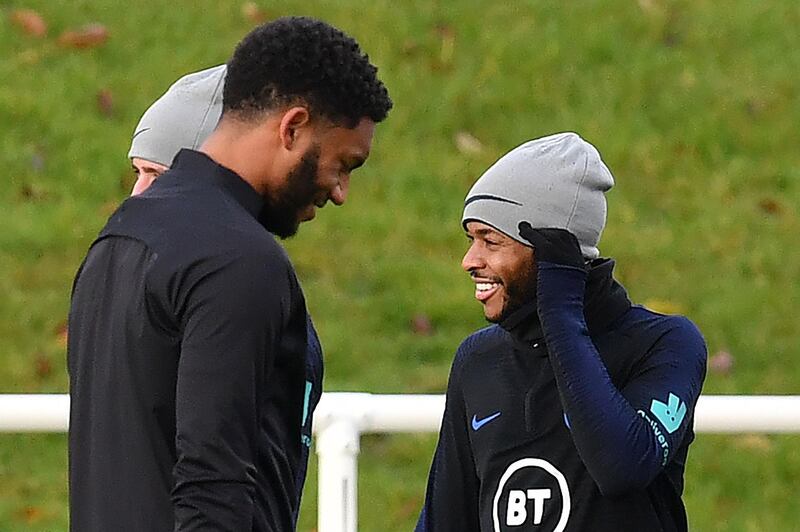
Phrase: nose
(472, 259)
(339, 192)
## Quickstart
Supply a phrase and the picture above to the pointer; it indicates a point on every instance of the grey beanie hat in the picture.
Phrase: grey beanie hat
(182, 118)
(557, 181)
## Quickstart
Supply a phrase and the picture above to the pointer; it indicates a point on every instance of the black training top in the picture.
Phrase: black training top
(571, 416)
(194, 368)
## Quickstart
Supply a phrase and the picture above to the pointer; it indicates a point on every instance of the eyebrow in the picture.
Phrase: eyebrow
(149, 169)
(483, 231)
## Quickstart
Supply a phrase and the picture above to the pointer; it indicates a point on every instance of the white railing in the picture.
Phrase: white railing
(341, 418)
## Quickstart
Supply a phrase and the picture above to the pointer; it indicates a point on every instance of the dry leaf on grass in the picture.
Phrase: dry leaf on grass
(61, 334)
(29, 21)
(42, 365)
(252, 12)
(421, 325)
(89, 36)
(770, 206)
(31, 514)
(448, 42)
(105, 102)
(721, 363)
(32, 192)
(467, 143)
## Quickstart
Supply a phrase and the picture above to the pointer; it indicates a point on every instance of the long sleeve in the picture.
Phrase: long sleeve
(624, 437)
(231, 316)
(451, 499)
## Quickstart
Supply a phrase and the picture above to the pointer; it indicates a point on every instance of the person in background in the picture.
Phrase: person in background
(574, 410)
(188, 349)
(183, 117)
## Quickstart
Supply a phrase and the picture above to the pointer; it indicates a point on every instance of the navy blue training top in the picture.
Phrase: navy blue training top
(194, 367)
(576, 414)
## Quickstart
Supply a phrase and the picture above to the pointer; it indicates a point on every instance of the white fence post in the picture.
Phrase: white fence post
(338, 446)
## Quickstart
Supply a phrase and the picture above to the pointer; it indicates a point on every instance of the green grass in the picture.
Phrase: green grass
(692, 104)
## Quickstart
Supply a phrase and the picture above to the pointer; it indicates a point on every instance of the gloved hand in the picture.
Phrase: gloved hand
(556, 246)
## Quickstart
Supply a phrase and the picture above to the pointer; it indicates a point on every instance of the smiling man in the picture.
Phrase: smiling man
(574, 410)
(190, 379)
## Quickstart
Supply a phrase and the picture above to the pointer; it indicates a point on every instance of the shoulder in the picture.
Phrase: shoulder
(642, 317)
(663, 331)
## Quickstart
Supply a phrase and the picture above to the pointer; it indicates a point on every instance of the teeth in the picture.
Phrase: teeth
(483, 287)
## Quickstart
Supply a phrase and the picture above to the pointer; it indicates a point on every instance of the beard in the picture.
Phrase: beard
(281, 212)
(520, 291)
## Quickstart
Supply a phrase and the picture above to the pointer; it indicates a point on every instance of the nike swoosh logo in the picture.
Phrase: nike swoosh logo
(140, 131)
(477, 424)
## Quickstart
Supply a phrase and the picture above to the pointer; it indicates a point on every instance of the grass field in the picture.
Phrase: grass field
(693, 104)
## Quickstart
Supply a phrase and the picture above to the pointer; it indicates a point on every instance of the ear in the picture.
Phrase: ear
(293, 122)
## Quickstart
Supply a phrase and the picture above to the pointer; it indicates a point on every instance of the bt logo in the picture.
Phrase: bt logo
(530, 493)
(517, 512)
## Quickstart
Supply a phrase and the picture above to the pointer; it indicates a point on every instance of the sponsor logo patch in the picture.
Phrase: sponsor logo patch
(531, 493)
(478, 423)
(671, 414)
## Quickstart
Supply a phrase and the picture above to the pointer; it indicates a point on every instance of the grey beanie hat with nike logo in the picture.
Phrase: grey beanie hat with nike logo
(182, 118)
(557, 181)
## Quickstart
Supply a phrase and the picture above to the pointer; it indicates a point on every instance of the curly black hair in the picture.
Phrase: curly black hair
(300, 60)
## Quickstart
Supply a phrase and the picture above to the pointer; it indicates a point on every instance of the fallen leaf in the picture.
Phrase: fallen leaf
(42, 365)
(421, 325)
(467, 143)
(252, 12)
(770, 206)
(89, 36)
(662, 306)
(61, 334)
(105, 102)
(721, 363)
(29, 21)
(31, 514)
(32, 192)
(448, 38)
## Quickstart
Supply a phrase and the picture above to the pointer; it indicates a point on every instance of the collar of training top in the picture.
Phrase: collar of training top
(204, 168)
(606, 300)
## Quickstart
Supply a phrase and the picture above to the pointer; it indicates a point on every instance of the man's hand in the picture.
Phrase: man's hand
(556, 246)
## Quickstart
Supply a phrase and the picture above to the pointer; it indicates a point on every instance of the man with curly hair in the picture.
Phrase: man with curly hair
(192, 388)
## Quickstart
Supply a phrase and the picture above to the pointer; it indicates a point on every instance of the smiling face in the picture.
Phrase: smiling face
(503, 270)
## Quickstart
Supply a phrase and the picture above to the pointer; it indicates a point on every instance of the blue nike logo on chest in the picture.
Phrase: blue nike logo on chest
(478, 423)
